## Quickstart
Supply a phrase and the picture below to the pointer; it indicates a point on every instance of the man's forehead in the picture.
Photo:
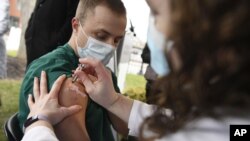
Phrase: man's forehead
(103, 19)
(110, 32)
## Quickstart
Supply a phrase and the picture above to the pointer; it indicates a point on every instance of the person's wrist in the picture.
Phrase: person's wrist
(43, 114)
(36, 119)
(39, 123)
(114, 100)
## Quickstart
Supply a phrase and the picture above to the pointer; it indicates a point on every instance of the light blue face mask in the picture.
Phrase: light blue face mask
(157, 43)
(95, 49)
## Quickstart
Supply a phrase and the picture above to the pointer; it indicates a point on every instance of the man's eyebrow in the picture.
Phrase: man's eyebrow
(108, 33)
(103, 30)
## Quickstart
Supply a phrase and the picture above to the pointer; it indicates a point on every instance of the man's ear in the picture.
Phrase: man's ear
(74, 23)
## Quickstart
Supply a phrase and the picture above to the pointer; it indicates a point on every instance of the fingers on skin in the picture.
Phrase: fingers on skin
(74, 88)
(92, 78)
(57, 86)
(73, 94)
(43, 84)
(36, 89)
(108, 72)
(90, 70)
(30, 101)
(97, 65)
(85, 80)
(71, 110)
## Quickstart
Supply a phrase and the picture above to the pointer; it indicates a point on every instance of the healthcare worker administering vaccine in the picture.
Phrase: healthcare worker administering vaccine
(204, 84)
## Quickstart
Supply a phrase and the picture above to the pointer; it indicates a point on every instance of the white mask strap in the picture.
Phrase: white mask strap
(82, 29)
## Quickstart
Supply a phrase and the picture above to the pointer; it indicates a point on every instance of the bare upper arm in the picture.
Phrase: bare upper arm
(72, 93)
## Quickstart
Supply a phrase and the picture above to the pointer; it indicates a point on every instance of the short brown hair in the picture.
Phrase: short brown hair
(116, 6)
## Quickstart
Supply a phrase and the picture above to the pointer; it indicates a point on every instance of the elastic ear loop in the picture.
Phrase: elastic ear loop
(82, 29)
(82, 32)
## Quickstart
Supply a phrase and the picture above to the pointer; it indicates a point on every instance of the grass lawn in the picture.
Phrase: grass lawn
(135, 87)
(9, 90)
(133, 81)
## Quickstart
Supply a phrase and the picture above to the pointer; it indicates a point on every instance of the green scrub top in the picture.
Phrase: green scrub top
(62, 61)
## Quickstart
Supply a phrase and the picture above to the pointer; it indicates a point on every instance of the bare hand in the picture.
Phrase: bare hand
(101, 90)
(46, 104)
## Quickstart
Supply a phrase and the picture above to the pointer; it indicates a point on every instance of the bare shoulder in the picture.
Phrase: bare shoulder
(72, 93)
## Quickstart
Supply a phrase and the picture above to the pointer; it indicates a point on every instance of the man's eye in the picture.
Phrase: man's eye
(117, 41)
(101, 37)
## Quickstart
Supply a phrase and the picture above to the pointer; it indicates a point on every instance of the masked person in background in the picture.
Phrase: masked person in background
(98, 27)
(207, 88)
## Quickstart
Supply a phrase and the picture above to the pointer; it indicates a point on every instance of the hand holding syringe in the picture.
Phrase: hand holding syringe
(80, 67)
